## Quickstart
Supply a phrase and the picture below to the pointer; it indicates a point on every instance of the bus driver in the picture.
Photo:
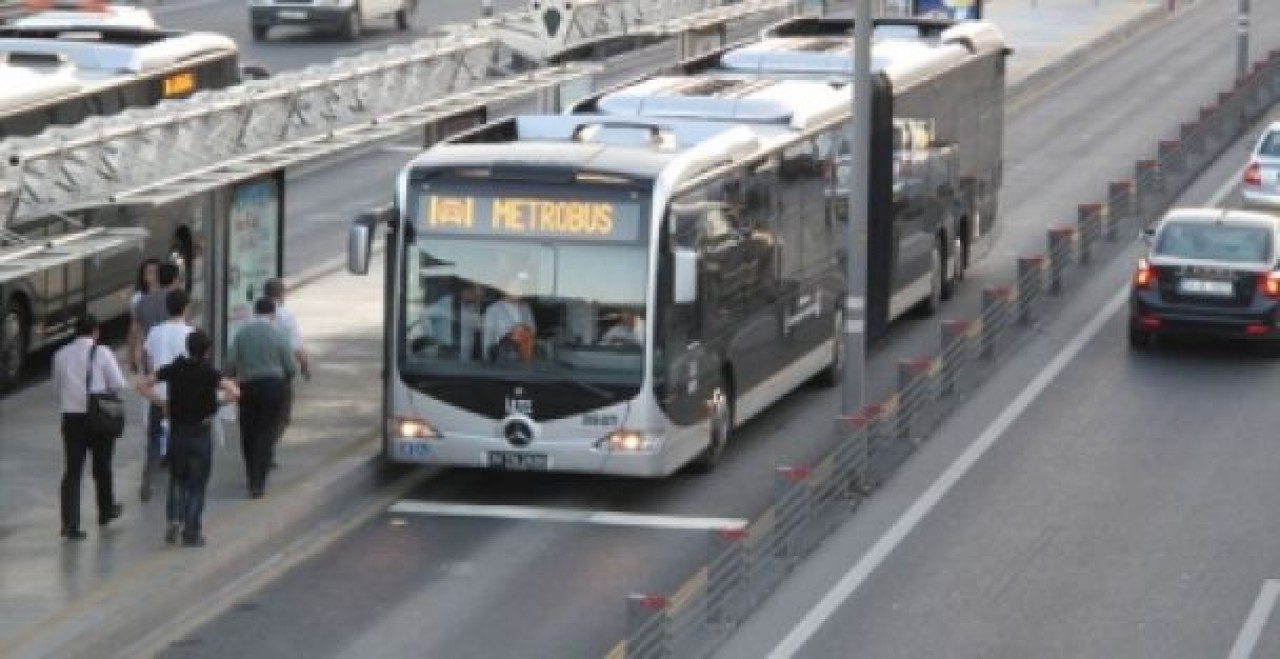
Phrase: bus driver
(509, 324)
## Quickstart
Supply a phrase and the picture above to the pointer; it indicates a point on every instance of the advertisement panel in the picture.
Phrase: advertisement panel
(254, 247)
(954, 9)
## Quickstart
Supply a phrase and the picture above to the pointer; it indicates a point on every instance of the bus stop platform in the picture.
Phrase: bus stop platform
(124, 593)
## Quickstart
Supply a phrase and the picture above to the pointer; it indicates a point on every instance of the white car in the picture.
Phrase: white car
(343, 17)
(1261, 185)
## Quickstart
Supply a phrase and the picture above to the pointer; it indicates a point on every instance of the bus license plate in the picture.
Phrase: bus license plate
(514, 461)
(293, 15)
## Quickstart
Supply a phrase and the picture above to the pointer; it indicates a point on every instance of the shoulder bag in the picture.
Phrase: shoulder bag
(104, 416)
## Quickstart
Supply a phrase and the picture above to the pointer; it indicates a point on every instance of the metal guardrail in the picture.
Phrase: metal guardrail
(743, 566)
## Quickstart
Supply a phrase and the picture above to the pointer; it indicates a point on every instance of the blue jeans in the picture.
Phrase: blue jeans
(190, 461)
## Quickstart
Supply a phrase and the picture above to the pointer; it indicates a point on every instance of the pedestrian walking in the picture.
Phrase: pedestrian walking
(164, 343)
(262, 362)
(151, 310)
(148, 280)
(288, 323)
(193, 385)
(81, 367)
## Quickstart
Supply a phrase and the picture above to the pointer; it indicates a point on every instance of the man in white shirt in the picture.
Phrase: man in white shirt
(74, 376)
(165, 342)
(288, 323)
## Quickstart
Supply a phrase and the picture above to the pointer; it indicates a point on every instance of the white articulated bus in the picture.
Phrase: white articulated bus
(615, 290)
(599, 295)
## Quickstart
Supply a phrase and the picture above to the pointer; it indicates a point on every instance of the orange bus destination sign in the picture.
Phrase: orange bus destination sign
(176, 85)
(531, 217)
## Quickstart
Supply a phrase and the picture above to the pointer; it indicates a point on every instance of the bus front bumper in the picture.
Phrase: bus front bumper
(569, 456)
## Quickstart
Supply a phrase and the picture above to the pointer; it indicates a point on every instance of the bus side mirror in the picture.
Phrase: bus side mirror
(360, 238)
(686, 275)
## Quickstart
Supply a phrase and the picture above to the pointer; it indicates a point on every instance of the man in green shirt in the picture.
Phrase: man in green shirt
(262, 362)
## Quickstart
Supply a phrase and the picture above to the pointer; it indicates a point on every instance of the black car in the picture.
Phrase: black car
(1208, 271)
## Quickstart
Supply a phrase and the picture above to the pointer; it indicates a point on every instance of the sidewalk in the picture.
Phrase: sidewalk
(53, 593)
(96, 597)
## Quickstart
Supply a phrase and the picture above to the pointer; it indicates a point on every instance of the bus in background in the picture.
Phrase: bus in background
(605, 295)
(69, 67)
(59, 68)
(936, 143)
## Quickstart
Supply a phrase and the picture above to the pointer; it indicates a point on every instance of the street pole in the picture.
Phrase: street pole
(855, 306)
(1242, 41)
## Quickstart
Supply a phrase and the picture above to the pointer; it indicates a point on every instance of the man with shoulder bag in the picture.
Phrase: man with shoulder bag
(87, 379)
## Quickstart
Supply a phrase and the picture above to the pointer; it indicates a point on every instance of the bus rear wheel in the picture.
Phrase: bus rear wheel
(14, 333)
(937, 279)
(721, 430)
(833, 374)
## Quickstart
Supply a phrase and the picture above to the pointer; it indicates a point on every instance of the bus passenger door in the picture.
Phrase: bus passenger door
(913, 227)
(742, 298)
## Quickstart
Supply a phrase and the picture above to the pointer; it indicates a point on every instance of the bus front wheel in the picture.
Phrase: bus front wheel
(14, 333)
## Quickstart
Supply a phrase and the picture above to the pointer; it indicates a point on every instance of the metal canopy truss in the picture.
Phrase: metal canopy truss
(182, 147)
(27, 258)
(551, 27)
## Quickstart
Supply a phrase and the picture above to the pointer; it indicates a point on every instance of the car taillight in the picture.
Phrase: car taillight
(1269, 284)
(1144, 276)
(1253, 175)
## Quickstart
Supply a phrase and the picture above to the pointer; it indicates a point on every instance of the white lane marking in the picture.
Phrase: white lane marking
(888, 543)
(1227, 187)
(537, 514)
(1251, 632)
(403, 148)
(871, 561)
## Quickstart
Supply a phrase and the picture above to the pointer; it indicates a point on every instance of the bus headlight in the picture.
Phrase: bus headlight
(412, 428)
(630, 441)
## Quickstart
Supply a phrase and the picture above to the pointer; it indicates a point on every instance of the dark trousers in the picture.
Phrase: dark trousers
(77, 443)
(190, 461)
(262, 408)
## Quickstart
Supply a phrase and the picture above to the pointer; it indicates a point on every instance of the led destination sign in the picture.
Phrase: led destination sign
(531, 217)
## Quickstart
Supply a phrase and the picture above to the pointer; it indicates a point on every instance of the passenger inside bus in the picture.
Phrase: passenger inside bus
(628, 330)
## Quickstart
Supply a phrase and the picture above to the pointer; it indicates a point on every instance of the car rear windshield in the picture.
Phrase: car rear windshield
(1270, 144)
(1215, 241)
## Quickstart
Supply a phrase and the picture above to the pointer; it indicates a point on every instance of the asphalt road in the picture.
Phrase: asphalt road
(430, 585)
(1127, 512)
(294, 48)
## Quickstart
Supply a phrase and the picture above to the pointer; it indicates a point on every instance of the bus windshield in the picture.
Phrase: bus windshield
(481, 304)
